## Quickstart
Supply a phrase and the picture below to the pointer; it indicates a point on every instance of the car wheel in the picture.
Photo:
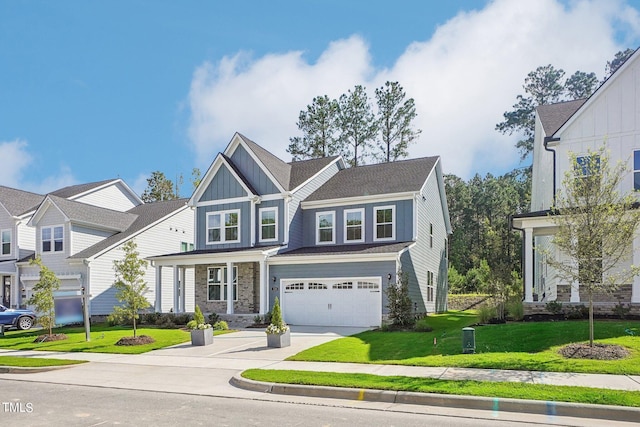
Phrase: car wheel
(25, 323)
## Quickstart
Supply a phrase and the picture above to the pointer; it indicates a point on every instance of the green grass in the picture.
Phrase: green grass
(470, 388)
(36, 362)
(521, 346)
(103, 339)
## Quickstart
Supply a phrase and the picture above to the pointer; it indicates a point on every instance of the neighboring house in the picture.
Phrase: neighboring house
(78, 232)
(324, 239)
(612, 116)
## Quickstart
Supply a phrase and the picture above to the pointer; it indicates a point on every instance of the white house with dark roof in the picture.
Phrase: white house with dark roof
(610, 115)
(324, 239)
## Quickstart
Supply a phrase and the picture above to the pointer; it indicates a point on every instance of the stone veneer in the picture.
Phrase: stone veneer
(248, 289)
(622, 294)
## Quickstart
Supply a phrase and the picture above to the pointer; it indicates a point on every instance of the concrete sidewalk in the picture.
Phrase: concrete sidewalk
(208, 370)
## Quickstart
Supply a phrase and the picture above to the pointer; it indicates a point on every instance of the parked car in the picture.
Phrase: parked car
(17, 318)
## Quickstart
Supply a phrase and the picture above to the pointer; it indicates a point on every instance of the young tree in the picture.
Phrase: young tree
(358, 125)
(400, 304)
(395, 118)
(596, 227)
(130, 285)
(319, 127)
(159, 188)
(42, 297)
(196, 177)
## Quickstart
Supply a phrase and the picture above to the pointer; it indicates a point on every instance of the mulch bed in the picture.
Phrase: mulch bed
(50, 337)
(139, 340)
(597, 352)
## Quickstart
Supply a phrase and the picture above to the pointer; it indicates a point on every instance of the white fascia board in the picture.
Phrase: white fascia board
(377, 198)
(330, 259)
(212, 258)
(337, 160)
(40, 211)
(231, 148)
(253, 198)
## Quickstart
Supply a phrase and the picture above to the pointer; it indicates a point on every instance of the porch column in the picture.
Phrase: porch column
(264, 283)
(635, 287)
(158, 289)
(183, 293)
(229, 281)
(176, 289)
(528, 265)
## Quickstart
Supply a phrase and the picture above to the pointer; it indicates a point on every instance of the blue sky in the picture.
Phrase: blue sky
(96, 90)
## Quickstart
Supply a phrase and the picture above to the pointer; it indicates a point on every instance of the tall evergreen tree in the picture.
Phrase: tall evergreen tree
(395, 119)
(159, 188)
(619, 59)
(358, 125)
(319, 127)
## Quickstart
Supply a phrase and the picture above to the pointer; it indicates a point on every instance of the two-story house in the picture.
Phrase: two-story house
(78, 232)
(610, 115)
(325, 239)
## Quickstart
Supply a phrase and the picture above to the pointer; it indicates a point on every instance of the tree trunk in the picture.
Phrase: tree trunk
(134, 326)
(590, 319)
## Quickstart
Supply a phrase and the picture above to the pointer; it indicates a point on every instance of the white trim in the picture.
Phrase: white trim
(2, 231)
(233, 145)
(210, 174)
(362, 225)
(393, 223)
(105, 185)
(260, 211)
(331, 259)
(223, 283)
(377, 198)
(52, 240)
(333, 227)
(334, 162)
(222, 227)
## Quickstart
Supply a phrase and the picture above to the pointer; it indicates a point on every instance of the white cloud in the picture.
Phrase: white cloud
(463, 78)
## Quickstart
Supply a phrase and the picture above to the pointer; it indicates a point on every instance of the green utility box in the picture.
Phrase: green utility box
(468, 340)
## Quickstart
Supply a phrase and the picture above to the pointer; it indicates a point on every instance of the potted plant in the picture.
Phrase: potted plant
(201, 333)
(278, 333)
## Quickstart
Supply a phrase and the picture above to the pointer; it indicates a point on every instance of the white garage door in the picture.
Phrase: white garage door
(332, 302)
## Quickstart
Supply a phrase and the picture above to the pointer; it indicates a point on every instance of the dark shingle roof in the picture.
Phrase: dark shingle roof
(553, 116)
(365, 248)
(94, 215)
(74, 190)
(19, 202)
(383, 178)
(305, 169)
(145, 215)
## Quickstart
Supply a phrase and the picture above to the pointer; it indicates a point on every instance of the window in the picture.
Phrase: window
(343, 285)
(52, 239)
(586, 166)
(367, 285)
(636, 170)
(223, 227)
(325, 227)
(294, 287)
(186, 246)
(314, 285)
(5, 242)
(269, 224)
(430, 235)
(217, 284)
(385, 223)
(353, 225)
(429, 285)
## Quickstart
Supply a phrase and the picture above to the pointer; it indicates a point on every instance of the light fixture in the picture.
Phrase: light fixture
(274, 279)
(389, 276)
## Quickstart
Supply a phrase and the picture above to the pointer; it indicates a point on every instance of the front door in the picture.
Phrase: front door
(6, 291)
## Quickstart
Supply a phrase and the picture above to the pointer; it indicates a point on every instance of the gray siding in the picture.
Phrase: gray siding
(295, 213)
(245, 218)
(332, 270)
(404, 222)
(268, 204)
(223, 186)
(253, 172)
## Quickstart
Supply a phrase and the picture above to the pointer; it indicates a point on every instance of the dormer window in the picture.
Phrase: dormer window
(5, 242)
(52, 239)
(223, 227)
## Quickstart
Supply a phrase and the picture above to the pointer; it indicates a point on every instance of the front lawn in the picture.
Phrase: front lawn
(36, 362)
(521, 346)
(470, 388)
(103, 339)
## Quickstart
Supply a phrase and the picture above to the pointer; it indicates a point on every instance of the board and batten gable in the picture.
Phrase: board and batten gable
(114, 196)
(428, 253)
(223, 186)
(296, 223)
(403, 221)
(244, 225)
(253, 172)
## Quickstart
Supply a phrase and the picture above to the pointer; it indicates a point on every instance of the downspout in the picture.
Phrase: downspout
(522, 250)
(548, 139)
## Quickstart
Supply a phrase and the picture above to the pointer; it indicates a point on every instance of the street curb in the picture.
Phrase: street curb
(33, 370)
(560, 409)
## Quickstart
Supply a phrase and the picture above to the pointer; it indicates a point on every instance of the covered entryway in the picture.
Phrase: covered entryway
(332, 302)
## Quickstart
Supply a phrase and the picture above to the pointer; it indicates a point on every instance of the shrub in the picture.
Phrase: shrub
(192, 324)
(221, 325)
(400, 305)
(213, 318)
(150, 318)
(515, 309)
(423, 326)
(182, 318)
(621, 310)
(257, 320)
(267, 317)
(277, 325)
(554, 307)
(578, 312)
(198, 316)
(486, 313)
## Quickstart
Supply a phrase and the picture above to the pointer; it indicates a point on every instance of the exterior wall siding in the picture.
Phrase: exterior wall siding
(245, 219)
(114, 197)
(333, 270)
(223, 186)
(83, 237)
(7, 223)
(253, 172)
(56, 261)
(542, 172)
(296, 239)
(403, 223)
(26, 239)
(280, 226)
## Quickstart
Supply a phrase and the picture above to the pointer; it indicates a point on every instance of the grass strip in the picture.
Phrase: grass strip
(36, 362)
(543, 392)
